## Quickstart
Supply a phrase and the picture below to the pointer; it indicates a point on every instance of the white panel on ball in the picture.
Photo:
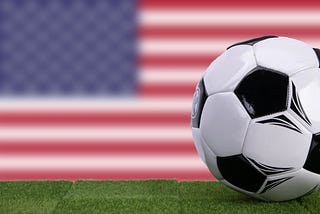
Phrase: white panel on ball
(290, 186)
(211, 161)
(228, 69)
(224, 123)
(198, 142)
(285, 55)
(307, 84)
(277, 141)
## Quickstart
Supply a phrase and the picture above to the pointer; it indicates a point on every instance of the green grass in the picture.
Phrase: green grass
(151, 196)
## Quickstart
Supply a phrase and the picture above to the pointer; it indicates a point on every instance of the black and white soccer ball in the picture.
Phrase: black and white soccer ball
(256, 118)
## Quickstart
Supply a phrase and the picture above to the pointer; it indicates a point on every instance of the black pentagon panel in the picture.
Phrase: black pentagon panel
(238, 171)
(263, 92)
(317, 51)
(313, 159)
(199, 98)
(252, 41)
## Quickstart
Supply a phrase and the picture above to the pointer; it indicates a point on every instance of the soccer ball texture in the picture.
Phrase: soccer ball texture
(256, 118)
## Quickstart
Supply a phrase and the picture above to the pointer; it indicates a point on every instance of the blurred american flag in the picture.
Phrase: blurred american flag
(102, 89)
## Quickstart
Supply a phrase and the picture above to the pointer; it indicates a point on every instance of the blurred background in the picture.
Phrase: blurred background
(102, 89)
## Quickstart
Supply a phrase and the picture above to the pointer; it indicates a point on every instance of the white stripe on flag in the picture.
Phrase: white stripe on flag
(101, 162)
(154, 105)
(171, 75)
(130, 133)
(184, 46)
(222, 17)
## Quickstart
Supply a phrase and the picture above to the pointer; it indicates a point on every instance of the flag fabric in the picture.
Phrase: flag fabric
(102, 89)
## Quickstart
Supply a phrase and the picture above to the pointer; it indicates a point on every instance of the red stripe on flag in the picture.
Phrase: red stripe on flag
(182, 4)
(177, 60)
(80, 147)
(100, 118)
(243, 32)
(103, 175)
(167, 90)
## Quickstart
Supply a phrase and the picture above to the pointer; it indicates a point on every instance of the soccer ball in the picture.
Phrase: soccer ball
(256, 118)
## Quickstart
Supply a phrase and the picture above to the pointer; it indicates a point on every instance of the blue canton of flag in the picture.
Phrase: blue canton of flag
(68, 47)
